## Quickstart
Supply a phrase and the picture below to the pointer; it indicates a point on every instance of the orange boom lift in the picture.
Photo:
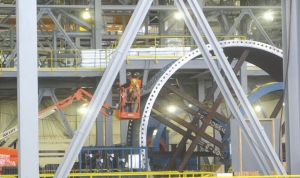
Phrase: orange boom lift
(124, 109)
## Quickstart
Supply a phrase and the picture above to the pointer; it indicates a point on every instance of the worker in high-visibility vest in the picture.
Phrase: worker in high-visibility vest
(135, 87)
(135, 82)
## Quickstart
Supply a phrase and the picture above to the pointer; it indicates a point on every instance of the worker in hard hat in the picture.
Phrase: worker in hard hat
(127, 94)
(135, 87)
(128, 80)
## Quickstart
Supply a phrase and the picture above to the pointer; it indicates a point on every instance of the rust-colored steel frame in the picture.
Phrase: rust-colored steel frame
(202, 107)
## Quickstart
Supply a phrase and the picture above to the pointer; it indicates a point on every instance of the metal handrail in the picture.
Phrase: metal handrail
(127, 174)
(70, 59)
(168, 174)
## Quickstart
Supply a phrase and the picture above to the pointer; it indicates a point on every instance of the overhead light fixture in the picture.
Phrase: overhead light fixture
(269, 16)
(257, 108)
(83, 110)
(178, 15)
(171, 108)
(86, 15)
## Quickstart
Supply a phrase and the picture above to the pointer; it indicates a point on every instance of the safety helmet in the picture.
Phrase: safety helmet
(128, 74)
(136, 74)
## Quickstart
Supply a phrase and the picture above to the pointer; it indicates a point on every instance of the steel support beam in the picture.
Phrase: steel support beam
(156, 136)
(4, 20)
(169, 154)
(220, 81)
(57, 24)
(267, 147)
(50, 92)
(236, 23)
(146, 73)
(101, 91)
(277, 108)
(192, 112)
(108, 122)
(260, 28)
(123, 123)
(152, 8)
(97, 40)
(77, 20)
(195, 102)
(207, 120)
(187, 125)
(27, 89)
(186, 104)
(203, 127)
(225, 20)
(62, 115)
(201, 97)
(209, 18)
(187, 135)
(235, 69)
(98, 24)
(263, 111)
(291, 40)
(243, 77)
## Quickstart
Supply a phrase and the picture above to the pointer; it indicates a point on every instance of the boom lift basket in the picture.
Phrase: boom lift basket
(128, 102)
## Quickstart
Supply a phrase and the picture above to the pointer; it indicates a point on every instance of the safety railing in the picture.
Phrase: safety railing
(8, 176)
(57, 60)
(162, 47)
(144, 48)
(208, 167)
(155, 174)
(74, 60)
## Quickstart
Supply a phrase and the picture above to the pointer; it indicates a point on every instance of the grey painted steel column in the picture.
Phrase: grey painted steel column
(99, 130)
(146, 73)
(54, 62)
(11, 38)
(123, 123)
(99, 125)
(108, 123)
(285, 6)
(161, 28)
(146, 24)
(259, 130)
(98, 45)
(101, 91)
(77, 29)
(223, 87)
(123, 23)
(98, 25)
(293, 91)
(27, 89)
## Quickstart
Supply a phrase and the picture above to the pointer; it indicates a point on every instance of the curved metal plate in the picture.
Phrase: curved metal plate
(262, 56)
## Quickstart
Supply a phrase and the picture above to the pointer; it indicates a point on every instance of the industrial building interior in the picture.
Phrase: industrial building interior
(214, 98)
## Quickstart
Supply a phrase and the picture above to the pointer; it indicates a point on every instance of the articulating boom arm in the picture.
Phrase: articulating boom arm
(78, 95)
